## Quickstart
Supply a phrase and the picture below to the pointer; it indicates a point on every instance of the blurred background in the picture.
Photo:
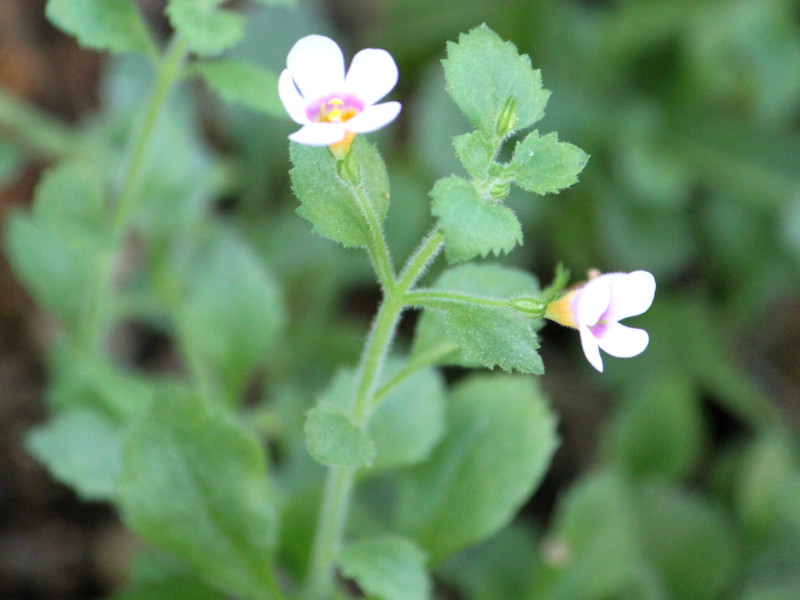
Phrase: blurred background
(690, 111)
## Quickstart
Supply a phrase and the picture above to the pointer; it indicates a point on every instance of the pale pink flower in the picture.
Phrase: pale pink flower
(596, 307)
(332, 107)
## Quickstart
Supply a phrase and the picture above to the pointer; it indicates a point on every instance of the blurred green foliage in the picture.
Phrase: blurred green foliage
(690, 111)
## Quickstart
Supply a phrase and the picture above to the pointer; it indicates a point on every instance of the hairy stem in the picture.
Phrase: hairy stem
(99, 306)
(340, 482)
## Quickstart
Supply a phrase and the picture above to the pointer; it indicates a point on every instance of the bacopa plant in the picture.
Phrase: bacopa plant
(366, 486)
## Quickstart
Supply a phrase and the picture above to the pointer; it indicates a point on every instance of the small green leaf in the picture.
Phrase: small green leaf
(58, 273)
(544, 165)
(230, 310)
(486, 336)
(206, 29)
(70, 199)
(194, 483)
(475, 151)
(245, 83)
(659, 432)
(409, 421)
(390, 568)
(330, 203)
(506, 566)
(114, 25)
(82, 449)
(483, 72)
(683, 535)
(593, 546)
(333, 439)
(491, 337)
(501, 436)
(472, 225)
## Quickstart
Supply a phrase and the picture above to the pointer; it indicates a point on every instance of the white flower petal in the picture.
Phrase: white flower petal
(631, 294)
(621, 341)
(317, 66)
(372, 75)
(319, 134)
(373, 117)
(590, 348)
(590, 302)
(292, 100)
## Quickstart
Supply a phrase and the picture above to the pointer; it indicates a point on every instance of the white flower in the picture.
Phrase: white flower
(332, 107)
(596, 307)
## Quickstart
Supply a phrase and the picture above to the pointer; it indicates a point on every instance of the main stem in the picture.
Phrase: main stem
(339, 485)
(169, 70)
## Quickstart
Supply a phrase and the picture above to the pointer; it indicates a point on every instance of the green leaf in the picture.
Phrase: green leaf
(659, 432)
(769, 468)
(70, 200)
(389, 568)
(58, 273)
(160, 576)
(409, 421)
(544, 165)
(476, 152)
(114, 25)
(333, 439)
(329, 202)
(230, 309)
(683, 535)
(501, 436)
(505, 566)
(483, 72)
(82, 449)
(206, 29)
(244, 83)
(95, 384)
(194, 483)
(593, 547)
(472, 225)
(59, 249)
(486, 336)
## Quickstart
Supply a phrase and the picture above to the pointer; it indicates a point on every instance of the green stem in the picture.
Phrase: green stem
(99, 306)
(444, 298)
(339, 485)
(169, 70)
(414, 364)
(378, 250)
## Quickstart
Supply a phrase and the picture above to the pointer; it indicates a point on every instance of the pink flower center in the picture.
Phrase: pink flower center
(335, 109)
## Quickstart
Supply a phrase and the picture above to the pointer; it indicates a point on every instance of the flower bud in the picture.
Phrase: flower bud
(508, 118)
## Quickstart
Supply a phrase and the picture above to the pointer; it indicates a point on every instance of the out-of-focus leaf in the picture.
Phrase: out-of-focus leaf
(230, 310)
(333, 439)
(245, 83)
(194, 483)
(390, 568)
(500, 439)
(81, 448)
(659, 433)
(114, 25)
(206, 29)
